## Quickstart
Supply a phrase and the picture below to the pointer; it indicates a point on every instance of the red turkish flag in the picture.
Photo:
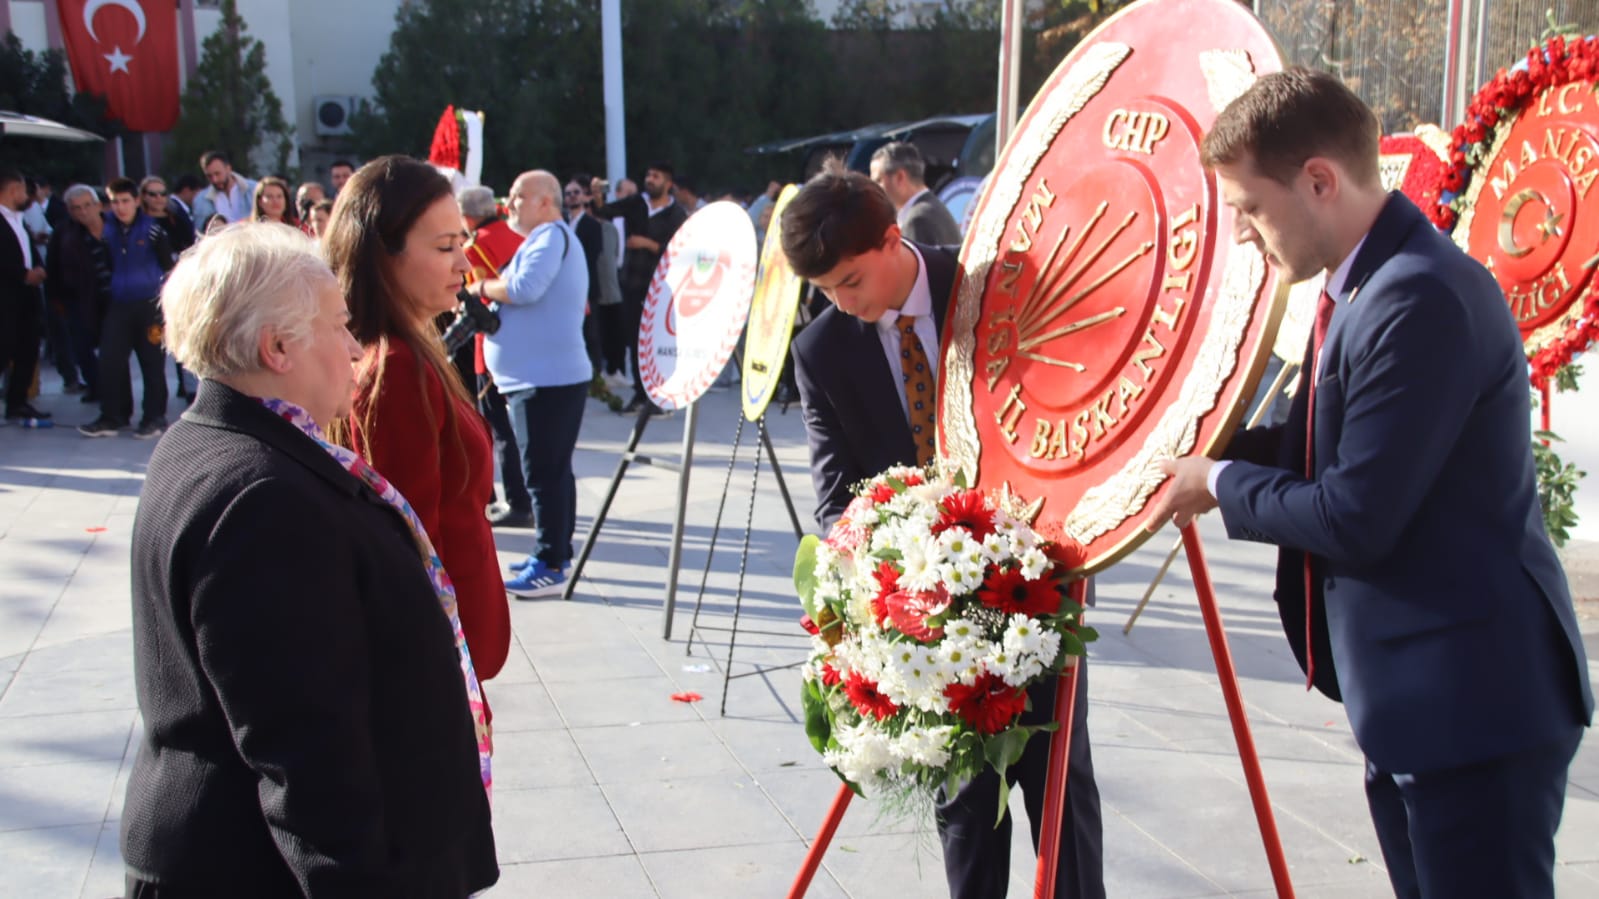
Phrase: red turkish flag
(127, 52)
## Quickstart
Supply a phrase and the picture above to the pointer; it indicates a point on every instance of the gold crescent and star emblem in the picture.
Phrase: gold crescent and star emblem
(1550, 226)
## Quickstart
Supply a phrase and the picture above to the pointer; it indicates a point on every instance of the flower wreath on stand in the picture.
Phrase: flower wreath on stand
(448, 150)
(1556, 62)
(932, 610)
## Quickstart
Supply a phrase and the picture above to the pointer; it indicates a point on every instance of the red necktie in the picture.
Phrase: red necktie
(1324, 314)
(918, 379)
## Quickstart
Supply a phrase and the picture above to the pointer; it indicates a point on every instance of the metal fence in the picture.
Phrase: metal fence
(1395, 53)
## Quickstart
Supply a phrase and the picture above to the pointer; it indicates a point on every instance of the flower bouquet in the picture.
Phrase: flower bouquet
(932, 609)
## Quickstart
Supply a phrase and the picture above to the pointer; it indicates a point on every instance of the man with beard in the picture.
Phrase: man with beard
(651, 219)
(590, 233)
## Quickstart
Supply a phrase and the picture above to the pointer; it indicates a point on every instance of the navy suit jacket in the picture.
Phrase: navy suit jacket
(1443, 617)
(853, 417)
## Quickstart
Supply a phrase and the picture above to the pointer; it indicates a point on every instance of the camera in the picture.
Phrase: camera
(473, 317)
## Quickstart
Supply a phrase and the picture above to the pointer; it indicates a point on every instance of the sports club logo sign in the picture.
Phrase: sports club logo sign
(697, 304)
(1104, 320)
(127, 52)
(777, 295)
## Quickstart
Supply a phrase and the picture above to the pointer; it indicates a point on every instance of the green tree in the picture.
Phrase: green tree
(229, 104)
(36, 84)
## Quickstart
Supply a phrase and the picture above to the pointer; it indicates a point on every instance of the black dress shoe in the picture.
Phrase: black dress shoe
(25, 410)
(511, 518)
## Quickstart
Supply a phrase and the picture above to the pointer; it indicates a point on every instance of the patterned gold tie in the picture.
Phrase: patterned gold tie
(918, 378)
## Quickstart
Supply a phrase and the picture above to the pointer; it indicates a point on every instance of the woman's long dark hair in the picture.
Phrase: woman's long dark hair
(371, 218)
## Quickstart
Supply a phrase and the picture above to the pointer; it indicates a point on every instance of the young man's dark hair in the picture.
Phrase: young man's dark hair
(341, 164)
(1290, 117)
(836, 215)
(211, 156)
(584, 180)
(9, 175)
(664, 167)
(122, 186)
(187, 181)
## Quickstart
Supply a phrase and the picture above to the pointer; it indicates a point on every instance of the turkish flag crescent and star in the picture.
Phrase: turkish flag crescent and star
(127, 52)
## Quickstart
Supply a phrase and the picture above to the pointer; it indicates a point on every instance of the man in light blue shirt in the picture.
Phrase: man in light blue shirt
(538, 361)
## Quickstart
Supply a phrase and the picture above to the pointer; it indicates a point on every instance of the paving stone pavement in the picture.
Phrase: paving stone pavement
(606, 787)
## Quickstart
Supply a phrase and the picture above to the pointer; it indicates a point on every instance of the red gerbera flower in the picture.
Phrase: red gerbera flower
(965, 509)
(887, 577)
(882, 493)
(865, 697)
(830, 675)
(989, 705)
(1008, 591)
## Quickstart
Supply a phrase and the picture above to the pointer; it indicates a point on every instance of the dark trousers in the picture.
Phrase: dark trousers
(21, 318)
(591, 339)
(1481, 830)
(83, 332)
(546, 421)
(492, 405)
(613, 336)
(977, 853)
(61, 354)
(633, 315)
(132, 327)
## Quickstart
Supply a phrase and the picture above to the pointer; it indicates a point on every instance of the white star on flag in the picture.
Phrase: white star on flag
(119, 60)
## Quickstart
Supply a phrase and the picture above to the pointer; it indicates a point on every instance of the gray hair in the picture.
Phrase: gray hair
(78, 190)
(224, 292)
(478, 203)
(900, 156)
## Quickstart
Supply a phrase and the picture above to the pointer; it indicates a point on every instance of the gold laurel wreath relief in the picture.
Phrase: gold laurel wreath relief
(1087, 78)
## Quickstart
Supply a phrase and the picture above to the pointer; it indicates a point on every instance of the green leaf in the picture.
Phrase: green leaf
(889, 553)
(1004, 799)
(960, 478)
(817, 725)
(897, 485)
(805, 573)
(1072, 644)
(1087, 634)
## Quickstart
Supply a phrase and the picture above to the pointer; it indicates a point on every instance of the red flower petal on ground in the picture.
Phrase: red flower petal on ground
(908, 611)
(864, 696)
(965, 509)
(989, 705)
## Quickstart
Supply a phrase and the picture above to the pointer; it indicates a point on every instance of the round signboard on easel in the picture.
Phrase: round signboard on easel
(696, 306)
(771, 325)
(1104, 320)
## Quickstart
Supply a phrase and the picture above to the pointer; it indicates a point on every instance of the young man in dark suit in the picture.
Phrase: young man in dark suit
(21, 307)
(866, 369)
(1414, 561)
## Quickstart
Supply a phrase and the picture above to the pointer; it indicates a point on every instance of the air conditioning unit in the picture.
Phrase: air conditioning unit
(332, 114)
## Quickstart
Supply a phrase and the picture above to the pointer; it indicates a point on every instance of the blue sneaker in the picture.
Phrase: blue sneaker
(536, 580)
(525, 564)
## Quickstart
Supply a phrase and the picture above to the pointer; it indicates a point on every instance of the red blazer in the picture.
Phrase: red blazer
(447, 487)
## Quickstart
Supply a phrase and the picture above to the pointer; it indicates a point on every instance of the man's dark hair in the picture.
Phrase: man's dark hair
(837, 215)
(341, 162)
(323, 206)
(899, 156)
(187, 181)
(122, 186)
(583, 180)
(9, 175)
(664, 167)
(211, 156)
(1290, 116)
(686, 183)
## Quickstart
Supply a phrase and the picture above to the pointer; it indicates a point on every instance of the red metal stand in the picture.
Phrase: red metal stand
(1235, 710)
(1055, 775)
(1543, 410)
(813, 858)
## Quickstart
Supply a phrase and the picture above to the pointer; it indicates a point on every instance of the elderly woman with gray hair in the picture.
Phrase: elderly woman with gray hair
(312, 723)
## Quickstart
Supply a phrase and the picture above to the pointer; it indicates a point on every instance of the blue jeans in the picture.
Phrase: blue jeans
(506, 447)
(546, 421)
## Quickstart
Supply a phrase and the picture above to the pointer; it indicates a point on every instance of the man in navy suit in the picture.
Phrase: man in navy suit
(1415, 579)
(839, 232)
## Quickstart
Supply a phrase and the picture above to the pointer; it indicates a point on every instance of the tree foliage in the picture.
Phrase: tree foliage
(703, 79)
(229, 104)
(36, 84)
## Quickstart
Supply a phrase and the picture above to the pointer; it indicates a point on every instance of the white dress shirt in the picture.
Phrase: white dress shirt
(14, 219)
(919, 304)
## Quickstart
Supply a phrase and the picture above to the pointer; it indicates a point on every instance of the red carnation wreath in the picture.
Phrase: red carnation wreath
(448, 149)
(1423, 179)
(1496, 106)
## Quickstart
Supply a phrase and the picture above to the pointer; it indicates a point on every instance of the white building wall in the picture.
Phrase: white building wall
(27, 20)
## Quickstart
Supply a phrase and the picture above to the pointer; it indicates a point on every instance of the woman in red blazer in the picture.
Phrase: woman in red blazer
(395, 242)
